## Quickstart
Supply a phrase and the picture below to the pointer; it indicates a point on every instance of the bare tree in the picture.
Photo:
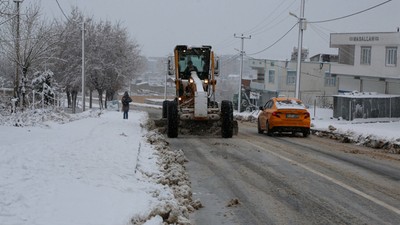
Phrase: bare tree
(66, 60)
(111, 57)
(6, 72)
(5, 9)
(29, 48)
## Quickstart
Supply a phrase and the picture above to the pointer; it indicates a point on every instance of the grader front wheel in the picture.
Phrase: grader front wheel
(164, 109)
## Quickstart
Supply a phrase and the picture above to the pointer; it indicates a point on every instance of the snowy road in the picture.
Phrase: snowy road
(290, 180)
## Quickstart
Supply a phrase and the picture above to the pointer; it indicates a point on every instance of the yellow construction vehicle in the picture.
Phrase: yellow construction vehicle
(194, 106)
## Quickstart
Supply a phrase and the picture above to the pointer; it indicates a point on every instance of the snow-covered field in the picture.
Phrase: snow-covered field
(96, 168)
(89, 168)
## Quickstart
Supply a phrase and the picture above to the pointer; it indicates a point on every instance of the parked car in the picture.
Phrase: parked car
(284, 114)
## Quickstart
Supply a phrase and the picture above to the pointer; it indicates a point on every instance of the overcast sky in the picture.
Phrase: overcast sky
(159, 25)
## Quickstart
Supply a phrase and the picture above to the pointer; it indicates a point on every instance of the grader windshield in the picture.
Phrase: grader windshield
(197, 59)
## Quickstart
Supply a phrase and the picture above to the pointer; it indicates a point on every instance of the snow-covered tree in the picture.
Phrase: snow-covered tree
(43, 84)
(111, 57)
(5, 6)
(6, 72)
(66, 60)
(28, 49)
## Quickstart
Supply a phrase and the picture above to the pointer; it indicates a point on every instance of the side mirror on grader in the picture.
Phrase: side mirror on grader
(170, 65)
(216, 66)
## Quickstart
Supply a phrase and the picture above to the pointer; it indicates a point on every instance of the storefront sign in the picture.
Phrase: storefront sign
(254, 95)
(364, 38)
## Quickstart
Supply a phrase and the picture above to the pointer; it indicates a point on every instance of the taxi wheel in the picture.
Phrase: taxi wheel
(260, 131)
(306, 132)
(269, 132)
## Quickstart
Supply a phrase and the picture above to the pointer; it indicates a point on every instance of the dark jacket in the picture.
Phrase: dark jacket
(188, 71)
(125, 100)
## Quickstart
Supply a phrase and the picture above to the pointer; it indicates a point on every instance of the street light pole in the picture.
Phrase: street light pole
(165, 80)
(302, 26)
(241, 68)
(83, 65)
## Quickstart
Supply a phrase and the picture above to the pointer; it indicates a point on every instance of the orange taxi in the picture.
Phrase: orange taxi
(284, 114)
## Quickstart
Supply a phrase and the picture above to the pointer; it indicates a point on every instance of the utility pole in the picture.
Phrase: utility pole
(241, 68)
(83, 64)
(302, 26)
(16, 81)
(166, 79)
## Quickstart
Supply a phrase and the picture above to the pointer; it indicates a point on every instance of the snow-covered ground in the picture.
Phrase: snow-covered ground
(383, 133)
(384, 128)
(96, 168)
(88, 168)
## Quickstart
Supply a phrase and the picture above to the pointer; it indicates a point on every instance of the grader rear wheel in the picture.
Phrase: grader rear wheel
(172, 119)
(227, 119)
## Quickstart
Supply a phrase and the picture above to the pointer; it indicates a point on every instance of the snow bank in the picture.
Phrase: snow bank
(378, 133)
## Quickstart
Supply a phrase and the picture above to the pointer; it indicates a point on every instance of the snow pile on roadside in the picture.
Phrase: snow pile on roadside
(38, 117)
(171, 163)
(247, 116)
(377, 133)
(354, 136)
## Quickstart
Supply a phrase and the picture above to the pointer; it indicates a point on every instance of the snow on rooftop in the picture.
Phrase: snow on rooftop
(356, 94)
(290, 104)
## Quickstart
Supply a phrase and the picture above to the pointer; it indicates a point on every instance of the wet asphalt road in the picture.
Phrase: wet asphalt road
(289, 180)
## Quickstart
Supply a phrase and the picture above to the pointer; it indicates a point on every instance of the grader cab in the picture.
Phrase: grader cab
(194, 105)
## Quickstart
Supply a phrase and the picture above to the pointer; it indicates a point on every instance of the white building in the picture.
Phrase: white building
(367, 62)
(276, 77)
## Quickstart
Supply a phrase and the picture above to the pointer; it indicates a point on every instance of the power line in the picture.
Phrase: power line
(266, 28)
(7, 14)
(322, 21)
(259, 28)
(275, 41)
(286, 68)
(225, 44)
(323, 28)
(325, 36)
(353, 14)
(320, 33)
(5, 21)
(230, 59)
(255, 28)
(62, 11)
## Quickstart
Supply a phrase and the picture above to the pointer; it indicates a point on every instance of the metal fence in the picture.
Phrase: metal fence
(364, 107)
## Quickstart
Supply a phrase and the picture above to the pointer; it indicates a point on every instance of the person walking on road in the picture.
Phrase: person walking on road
(125, 100)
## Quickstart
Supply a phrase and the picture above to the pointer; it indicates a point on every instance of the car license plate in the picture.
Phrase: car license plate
(292, 116)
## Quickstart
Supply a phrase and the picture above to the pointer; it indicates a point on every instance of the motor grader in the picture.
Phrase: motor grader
(194, 106)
